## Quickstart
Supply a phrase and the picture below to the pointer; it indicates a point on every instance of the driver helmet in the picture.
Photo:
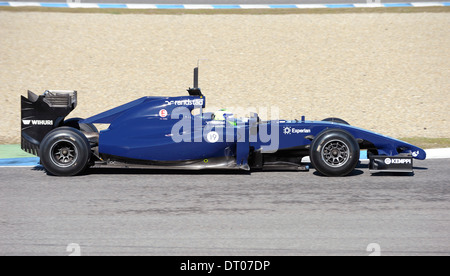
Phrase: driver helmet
(222, 115)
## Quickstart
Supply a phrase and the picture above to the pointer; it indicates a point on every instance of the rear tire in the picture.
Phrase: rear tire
(334, 152)
(65, 151)
(75, 123)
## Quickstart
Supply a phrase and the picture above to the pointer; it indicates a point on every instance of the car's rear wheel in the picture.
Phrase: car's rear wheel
(334, 152)
(75, 123)
(65, 151)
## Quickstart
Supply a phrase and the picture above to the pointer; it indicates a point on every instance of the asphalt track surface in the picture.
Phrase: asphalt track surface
(227, 2)
(151, 212)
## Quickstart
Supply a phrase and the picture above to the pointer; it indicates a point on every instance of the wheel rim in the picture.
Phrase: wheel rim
(335, 153)
(63, 153)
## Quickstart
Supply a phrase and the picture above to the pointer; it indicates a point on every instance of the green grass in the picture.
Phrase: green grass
(231, 11)
(428, 143)
(12, 151)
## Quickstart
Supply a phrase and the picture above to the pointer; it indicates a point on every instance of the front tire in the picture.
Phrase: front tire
(336, 120)
(65, 151)
(334, 152)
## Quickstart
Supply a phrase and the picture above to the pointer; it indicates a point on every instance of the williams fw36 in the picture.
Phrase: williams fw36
(175, 133)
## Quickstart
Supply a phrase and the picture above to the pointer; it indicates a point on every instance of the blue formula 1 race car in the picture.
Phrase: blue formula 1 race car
(162, 132)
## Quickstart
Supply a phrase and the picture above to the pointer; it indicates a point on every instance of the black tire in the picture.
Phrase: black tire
(65, 151)
(334, 152)
(75, 123)
(336, 120)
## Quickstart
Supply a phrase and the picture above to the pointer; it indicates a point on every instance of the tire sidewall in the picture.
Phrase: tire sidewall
(77, 139)
(322, 139)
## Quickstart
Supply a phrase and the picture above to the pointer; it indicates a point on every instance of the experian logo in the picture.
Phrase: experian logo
(38, 122)
(293, 130)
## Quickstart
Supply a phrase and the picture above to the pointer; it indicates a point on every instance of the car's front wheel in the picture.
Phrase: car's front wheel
(334, 152)
(336, 120)
(65, 151)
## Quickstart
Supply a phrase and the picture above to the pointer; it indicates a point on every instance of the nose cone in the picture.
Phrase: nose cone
(419, 153)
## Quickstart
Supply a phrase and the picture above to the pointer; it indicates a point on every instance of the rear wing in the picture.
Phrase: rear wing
(41, 114)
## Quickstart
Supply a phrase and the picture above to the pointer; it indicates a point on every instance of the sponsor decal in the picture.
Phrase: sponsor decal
(163, 113)
(212, 137)
(195, 102)
(389, 161)
(293, 130)
(415, 153)
(38, 122)
(287, 130)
